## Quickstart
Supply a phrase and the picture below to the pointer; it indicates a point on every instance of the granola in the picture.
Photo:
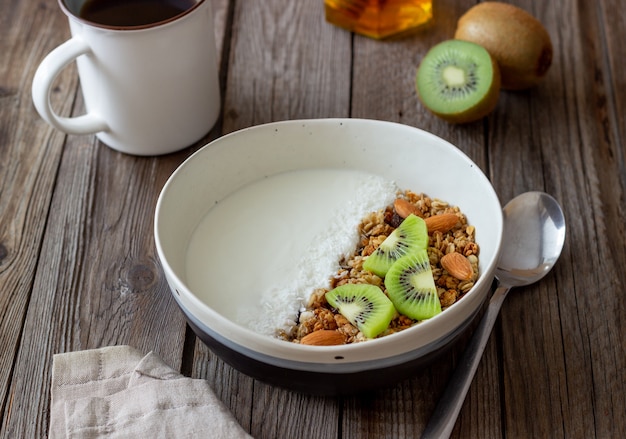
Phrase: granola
(373, 230)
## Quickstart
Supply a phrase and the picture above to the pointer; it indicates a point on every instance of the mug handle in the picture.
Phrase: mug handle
(46, 73)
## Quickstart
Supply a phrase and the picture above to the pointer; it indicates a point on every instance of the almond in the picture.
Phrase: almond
(403, 208)
(441, 223)
(457, 265)
(323, 337)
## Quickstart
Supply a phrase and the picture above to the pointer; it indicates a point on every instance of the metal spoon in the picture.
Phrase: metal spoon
(534, 232)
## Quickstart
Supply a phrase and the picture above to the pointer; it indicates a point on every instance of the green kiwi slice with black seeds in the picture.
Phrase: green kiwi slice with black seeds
(410, 236)
(458, 81)
(364, 305)
(411, 287)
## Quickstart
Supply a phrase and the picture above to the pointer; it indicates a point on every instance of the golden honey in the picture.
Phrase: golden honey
(378, 18)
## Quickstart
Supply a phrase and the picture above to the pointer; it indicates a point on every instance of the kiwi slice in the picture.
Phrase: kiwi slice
(364, 305)
(458, 81)
(410, 236)
(411, 287)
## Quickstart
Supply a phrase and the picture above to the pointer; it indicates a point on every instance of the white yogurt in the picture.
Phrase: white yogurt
(257, 256)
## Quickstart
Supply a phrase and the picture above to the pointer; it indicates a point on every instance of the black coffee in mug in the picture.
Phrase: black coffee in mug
(129, 13)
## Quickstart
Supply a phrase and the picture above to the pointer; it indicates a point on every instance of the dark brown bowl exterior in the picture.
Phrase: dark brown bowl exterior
(293, 376)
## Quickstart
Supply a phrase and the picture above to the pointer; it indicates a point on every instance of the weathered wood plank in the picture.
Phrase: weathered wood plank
(276, 73)
(563, 359)
(30, 152)
(98, 280)
(610, 155)
(519, 159)
(282, 413)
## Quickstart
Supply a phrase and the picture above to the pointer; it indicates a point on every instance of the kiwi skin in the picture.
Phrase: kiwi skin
(518, 41)
(477, 112)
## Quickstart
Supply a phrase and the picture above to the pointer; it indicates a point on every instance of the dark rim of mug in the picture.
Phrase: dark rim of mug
(138, 27)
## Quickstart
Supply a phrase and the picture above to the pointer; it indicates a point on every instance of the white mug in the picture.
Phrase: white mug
(148, 90)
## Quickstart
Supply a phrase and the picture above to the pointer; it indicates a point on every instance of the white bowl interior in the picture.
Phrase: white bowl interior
(413, 158)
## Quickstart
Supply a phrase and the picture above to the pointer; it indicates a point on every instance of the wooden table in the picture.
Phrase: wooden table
(79, 270)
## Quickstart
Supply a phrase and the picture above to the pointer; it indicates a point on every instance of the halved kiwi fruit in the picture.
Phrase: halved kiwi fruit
(364, 305)
(411, 235)
(458, 81)
(411, 287)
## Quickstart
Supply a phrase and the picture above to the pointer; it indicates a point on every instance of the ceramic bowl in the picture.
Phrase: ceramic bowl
(411, 157)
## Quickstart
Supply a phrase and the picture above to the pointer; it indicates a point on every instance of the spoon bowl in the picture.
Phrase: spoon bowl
(525, 259)
(533, 237)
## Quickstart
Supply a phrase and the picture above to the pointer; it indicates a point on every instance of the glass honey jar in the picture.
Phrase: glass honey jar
(379, 18)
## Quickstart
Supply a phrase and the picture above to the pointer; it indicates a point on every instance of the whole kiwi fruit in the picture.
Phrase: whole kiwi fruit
(517, 40)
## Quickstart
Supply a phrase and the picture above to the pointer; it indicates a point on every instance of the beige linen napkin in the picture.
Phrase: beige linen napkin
(116, 392)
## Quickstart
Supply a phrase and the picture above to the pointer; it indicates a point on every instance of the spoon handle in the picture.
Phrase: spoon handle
(444, 417)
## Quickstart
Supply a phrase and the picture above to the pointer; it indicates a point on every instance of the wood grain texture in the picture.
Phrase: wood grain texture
(98, 281)
(30, 153)
(286, 62)
(570, 358)
(78, 267)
